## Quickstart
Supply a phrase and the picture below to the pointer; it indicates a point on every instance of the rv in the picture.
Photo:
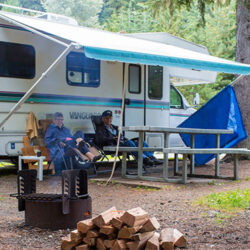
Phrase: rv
(80, 86)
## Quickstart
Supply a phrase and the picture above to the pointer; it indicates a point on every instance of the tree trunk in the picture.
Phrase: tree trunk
(242, 88)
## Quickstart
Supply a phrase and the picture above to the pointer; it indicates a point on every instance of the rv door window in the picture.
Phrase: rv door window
(175, 99)
(134, 79)
(17, 60)
(82, 71)
(155, 80)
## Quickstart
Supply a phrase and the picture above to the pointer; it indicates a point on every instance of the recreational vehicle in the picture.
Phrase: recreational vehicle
(80, 86)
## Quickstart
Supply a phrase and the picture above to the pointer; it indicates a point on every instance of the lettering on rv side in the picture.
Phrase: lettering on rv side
(81, 115)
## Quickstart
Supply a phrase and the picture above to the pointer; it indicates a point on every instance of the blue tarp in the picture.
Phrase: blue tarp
(220, 112)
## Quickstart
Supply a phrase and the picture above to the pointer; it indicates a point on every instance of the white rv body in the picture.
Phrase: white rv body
(78, 103)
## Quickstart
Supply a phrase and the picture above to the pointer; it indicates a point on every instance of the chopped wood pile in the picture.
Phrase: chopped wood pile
(120, 230)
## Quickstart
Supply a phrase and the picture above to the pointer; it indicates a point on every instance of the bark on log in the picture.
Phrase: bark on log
(100, 244)
(127, 232)
(179, 239)
(93, 233)
(76, 236)
(119, 245)
(135, 217)
(153, 243)
(167, 238)
(68, 244)
(107, 229)
(109, 243)
(105, 217)
(85, 225)
(151, 225)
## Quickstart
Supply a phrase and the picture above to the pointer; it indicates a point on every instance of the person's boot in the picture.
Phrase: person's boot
(147, 161)
(96, 158)
(156, 161)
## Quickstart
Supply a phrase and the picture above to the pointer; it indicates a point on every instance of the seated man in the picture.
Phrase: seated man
(58, 139)
(107, 134)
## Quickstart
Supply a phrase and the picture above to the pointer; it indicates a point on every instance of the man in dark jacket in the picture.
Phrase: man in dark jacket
(107, 134)
(58, 139)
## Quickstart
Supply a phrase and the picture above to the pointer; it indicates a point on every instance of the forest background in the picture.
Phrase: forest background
(218, 33)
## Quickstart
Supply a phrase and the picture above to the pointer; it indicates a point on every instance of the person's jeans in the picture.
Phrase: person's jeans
(59, 165)
(130, 143)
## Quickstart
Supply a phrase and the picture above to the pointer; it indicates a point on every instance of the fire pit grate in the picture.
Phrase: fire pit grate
(54, 211)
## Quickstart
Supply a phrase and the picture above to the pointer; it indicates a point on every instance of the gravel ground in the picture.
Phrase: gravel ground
(172, 205)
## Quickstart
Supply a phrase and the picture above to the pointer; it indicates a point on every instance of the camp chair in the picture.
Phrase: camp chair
(97, 122)
(29, 150)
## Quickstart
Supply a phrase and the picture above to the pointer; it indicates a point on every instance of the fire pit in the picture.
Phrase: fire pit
(54, 211)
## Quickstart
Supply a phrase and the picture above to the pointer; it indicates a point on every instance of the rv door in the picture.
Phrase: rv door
(134, 102)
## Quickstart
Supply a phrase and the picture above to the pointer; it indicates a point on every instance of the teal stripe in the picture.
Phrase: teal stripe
(157, 106)
(79, 102)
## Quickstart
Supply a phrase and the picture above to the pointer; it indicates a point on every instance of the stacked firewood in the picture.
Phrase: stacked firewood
(120, 230)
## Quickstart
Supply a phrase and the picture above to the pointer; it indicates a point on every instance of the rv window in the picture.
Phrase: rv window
(17, 60)
(155, 80)
(175, 99)
(134, 79)
(82, 71)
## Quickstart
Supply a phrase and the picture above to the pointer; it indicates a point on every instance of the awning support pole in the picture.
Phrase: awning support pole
(121, 122)
(33, 30)
(237, 79)
(31, 90)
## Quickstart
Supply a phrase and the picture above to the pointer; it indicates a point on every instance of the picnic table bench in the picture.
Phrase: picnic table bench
(191, 151)
(185, 151)
(166, 149)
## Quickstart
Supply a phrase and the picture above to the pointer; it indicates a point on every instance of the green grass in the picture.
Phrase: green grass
(4, 164)
(230, 201)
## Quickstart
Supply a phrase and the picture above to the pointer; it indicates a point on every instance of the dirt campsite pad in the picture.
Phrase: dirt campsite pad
(172, 205)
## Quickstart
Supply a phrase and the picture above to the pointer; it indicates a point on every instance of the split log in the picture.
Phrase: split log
(140, 244)
(153, 243)
(100, 244)
(93, 233)
(151, 225)
(119, 245)
(105, 217)
(135, 217)
(179, 239)
(85, 225)
(109, 243)
(68, 244)
(107, 229)
(112, 236)
(89, 241)
(117, 223)
(76, 236)
(167, 238)
(127, 232)
(141, 236)
(82, 247)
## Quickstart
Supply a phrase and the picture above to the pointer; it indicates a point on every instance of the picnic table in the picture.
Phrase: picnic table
(141, 130)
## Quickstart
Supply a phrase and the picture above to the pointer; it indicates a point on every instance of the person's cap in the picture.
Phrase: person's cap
(107, 113)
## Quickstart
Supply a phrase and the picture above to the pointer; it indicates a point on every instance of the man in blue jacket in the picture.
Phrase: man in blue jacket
(58, 139)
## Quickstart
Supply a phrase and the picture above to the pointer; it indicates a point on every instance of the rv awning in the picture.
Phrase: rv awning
(104, 45)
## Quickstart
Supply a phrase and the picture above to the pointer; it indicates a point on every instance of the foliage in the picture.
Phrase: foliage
(85, 12)
(218, 35)
(227, 201)
(29, 4)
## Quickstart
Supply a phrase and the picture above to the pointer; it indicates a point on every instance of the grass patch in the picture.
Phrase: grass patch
(230, 201)
(145, 188)
(5, 164)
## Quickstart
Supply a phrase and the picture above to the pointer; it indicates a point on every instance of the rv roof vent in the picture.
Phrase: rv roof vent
(58, 18)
